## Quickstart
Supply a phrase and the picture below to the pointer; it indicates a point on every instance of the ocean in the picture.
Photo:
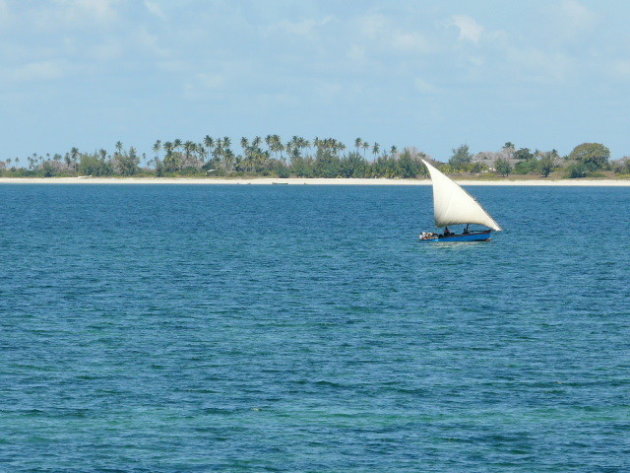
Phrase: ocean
(256, 328)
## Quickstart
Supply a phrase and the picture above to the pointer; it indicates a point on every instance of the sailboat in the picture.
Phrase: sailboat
(452, 205)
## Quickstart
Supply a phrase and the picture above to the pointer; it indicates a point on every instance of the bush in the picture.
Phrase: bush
(409, 166)
(525, 167)
(591, 155)
(460, 158)
(503, 167)
(621, 166)
(91, 165)
(353, 165)
(577, 170)
(546, 165)
(282, 170)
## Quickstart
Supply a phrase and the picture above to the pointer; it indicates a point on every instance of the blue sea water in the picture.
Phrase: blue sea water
(305, 329)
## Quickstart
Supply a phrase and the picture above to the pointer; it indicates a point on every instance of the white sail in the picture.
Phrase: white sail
(452, 205)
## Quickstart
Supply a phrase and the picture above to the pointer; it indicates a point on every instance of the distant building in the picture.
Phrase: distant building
(489, 158)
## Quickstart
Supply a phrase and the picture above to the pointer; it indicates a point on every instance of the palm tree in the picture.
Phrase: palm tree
(217, 152)
(206, 148)
(277, 146)
(336, 145)
(294, 146)
(375, 149)
(508, 149)
(169, 164)
(304, 143)
(365, 145)
(202, 152)
(227, 142)
(74, 155)
(291, 145)
(189, 148)
(357, 144)
(244, 146)
(229, 160)
(168, 148)
(157, 146)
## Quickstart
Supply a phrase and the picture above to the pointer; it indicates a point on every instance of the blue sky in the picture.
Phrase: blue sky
(430, 74)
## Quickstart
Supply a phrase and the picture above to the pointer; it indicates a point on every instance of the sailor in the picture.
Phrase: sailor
(466, 229)
(447, 232)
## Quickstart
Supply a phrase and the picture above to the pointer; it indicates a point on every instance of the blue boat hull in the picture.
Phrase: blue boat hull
(476, 236)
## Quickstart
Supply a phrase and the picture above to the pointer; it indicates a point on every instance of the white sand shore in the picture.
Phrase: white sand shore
(313, 181)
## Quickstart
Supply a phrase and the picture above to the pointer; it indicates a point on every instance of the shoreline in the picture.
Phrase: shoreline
(309, 181)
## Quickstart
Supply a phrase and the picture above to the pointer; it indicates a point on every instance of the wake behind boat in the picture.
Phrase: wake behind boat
(452, 205)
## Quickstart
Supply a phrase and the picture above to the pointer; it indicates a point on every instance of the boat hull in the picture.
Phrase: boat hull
(473, 236)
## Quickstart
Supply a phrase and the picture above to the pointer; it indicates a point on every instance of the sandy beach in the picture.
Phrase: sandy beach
(312, 181)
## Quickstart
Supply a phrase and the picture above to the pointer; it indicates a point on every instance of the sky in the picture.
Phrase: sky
(431, 74)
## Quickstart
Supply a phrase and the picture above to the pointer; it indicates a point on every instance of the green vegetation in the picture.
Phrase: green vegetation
(461, 158)
(215, 157)
(503, 167)
(320, 157)
(586, 160)
(592, 156)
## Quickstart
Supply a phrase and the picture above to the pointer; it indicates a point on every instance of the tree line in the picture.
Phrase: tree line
(585, 160)
(300, 157)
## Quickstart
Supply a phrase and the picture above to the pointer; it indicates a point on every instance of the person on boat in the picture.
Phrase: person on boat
(466, 230)
(447, 232)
